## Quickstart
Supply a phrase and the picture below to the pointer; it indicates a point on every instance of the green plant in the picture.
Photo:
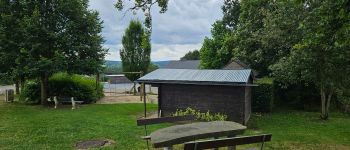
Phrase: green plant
(31, 92)
(83, 88)
(262, 97)
(203, 116)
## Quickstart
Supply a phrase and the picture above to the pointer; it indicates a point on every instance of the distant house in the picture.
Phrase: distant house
(224, 91)
(183, 64)
(117, 79)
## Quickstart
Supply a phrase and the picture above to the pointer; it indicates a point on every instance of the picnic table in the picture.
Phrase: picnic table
(178, 134)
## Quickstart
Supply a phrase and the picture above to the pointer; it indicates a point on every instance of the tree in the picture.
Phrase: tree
(322, 57)
(267, 32)
(218, 50)
(191, 55)
(11, 41)
(231, 11)
(213, 53)
(145, 6)
(135, 54)
(61, 36)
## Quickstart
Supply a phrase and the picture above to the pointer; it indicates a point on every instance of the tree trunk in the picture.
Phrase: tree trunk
(22, 82)
(17, 86)
(328, 103)
(97, 83)
(323, 104)
(134, 88)
(44, 88)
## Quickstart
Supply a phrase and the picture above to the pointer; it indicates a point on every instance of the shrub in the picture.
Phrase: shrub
(81, 87)
(31, 92)
(297, 96)
(262, 97)
(343, 98)
(205, 116)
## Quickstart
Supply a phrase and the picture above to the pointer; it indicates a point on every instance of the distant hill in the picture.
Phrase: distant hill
(110, 63)
(160, 64)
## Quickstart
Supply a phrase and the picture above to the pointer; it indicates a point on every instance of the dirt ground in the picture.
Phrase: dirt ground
(126, 98)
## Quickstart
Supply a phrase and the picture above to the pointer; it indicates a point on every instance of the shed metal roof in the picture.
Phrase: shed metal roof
(195, 76)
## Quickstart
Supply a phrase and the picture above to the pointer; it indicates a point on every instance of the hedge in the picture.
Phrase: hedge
(262, 97)
(83, 88)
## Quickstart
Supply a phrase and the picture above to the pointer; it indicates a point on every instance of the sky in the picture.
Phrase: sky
(180, 29)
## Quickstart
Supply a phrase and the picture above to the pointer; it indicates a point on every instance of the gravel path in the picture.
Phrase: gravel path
(126, 98)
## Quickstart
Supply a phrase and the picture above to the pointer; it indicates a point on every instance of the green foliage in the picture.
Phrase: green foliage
(343, 97)
(322, 56)
(63, 84)
(203, 116)
(135, 54)
(152, 67)
(145, 6)
(191, 55)
(31, 92)
(41, 38)
(231, 10)
(263, 97)
(214, 54)
(113, 69)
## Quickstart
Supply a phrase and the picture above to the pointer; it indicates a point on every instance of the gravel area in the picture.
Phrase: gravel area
(126, 98)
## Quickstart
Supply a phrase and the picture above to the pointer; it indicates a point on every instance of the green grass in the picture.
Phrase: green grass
(36, 127)
(303, 130)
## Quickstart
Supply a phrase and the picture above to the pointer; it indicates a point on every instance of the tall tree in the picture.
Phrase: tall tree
(60, 34)
(191, 55)
(135, 54)
(322, 57)
(11, 41)
(267, 32)
(231, 11)
(218, 50)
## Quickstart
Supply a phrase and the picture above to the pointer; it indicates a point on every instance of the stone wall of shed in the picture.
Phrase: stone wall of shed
(229, 100)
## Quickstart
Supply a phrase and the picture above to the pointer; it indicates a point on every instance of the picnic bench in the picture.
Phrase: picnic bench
(187, 134)
(65, 99)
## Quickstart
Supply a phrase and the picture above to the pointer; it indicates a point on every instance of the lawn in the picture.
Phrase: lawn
(36, 127)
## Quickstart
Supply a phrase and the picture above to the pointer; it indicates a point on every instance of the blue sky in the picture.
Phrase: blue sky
(181, 29)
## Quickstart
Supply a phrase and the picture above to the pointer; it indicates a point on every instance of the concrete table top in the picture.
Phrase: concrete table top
(179, 134)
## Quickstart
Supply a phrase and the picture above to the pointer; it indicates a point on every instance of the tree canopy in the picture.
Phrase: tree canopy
(191, 55)
(55, 36)
(322, 57)
(135, 54)
(296, 41)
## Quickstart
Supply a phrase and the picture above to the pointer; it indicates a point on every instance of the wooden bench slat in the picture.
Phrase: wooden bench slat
(150, 121)
(146, 137)
(216, 143)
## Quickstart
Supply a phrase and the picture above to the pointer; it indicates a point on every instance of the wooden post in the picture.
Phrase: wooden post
(9, 95)
(231, 147)
(144, 98)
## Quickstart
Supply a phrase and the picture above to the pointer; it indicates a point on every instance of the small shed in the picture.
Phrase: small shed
(219, 91)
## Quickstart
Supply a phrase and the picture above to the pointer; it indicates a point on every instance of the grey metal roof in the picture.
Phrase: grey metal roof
(183, 64)
(195, 76)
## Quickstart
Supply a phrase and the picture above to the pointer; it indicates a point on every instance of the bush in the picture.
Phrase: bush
(297, 96)
(31, 92)
(81, 87)
(262, 97)
(343, 99)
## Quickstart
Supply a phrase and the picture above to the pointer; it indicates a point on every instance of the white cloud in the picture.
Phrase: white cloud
(181, 29)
